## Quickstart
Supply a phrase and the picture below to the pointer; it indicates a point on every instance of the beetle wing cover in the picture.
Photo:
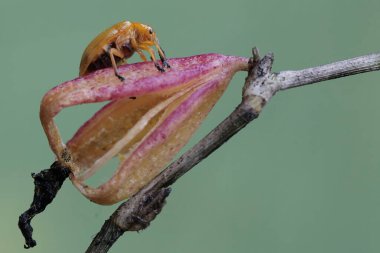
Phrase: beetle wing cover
(96, 47)
(146, 132)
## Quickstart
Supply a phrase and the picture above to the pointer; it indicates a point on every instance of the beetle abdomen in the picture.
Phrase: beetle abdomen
(103, 61)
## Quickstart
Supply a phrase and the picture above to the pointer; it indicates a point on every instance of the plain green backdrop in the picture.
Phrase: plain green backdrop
(304, 177)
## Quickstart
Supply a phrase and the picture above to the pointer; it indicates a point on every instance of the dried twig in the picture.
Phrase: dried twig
(46, 186)
(261, 84)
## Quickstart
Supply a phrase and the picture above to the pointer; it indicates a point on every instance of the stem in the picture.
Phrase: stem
(362, 64)
(260, 86)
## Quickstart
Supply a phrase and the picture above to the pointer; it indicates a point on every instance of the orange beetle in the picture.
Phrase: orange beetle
(119, 42)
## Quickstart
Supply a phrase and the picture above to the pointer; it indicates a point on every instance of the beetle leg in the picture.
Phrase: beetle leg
(142, 46)
(162, 56)
(141, 54)
(112, 53)
(151, 53)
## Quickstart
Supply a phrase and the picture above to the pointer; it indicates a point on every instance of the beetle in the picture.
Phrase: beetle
(119, 42)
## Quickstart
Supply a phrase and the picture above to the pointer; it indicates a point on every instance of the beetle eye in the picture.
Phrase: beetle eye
(150, 31)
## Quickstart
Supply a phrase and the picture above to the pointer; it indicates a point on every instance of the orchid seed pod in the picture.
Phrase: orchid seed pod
(149, 118)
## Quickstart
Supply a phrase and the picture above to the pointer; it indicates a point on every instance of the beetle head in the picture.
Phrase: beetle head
(144, 33)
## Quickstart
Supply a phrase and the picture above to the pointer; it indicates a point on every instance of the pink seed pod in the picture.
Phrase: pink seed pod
(150, 117)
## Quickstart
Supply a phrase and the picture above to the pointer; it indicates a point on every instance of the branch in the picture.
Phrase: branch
(261, 84)
(362, 64)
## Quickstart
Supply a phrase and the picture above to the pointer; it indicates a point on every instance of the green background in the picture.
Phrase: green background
(304, 177)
